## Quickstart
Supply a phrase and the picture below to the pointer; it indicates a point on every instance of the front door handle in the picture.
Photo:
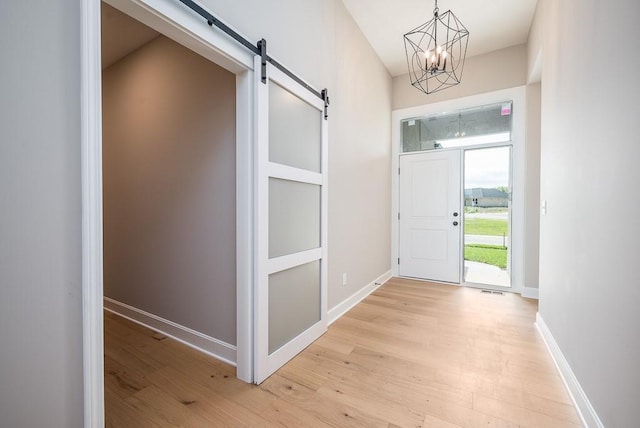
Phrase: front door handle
(455, 223)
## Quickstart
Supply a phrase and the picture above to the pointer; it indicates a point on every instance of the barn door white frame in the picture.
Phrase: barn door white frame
(282, 330)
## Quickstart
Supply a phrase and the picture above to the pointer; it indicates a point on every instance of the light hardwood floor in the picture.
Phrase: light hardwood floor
(413, 354)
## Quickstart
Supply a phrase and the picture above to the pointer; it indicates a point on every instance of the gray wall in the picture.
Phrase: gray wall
(589, 286)
(532, 194)
(40, 218)
(319, 40)
(169, 187)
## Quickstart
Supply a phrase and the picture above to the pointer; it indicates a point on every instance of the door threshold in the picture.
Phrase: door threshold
(435, 281)
(488, 287)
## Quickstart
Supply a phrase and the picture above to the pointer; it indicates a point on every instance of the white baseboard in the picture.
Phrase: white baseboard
(530, 293)
(580, 400)
(343, 307)
(201, 342)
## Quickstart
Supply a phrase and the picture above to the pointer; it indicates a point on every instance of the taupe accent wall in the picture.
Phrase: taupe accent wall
(169, 187)
(501, 69)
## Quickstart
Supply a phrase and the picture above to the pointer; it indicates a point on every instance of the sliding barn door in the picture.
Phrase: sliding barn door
(291, 221)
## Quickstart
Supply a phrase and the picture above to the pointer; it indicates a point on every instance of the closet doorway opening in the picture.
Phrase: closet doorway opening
(171, 182)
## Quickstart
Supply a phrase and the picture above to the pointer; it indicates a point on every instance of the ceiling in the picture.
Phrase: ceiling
(492, 24)
(121, 35)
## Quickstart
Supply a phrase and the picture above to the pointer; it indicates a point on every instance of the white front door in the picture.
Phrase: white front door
(430, 219)
(291, 221)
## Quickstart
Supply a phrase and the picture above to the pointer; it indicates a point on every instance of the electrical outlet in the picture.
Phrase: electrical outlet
(344, 278)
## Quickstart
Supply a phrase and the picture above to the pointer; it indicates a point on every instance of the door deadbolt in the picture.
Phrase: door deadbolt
(455, 214)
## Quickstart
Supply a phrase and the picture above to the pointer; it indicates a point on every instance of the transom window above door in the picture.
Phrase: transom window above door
(469, 127)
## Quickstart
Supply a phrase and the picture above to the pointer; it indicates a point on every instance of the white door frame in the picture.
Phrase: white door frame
(179, 23)
(517, 95)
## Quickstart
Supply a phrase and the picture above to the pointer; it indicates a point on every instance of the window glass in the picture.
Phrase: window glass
(478, 125)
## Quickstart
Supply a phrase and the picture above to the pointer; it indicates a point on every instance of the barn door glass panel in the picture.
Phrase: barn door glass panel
(294, 303)
(294, 217)
(294, 131)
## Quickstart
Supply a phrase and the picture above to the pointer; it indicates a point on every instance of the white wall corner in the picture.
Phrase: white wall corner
(342, 308)
(194, 339)
(585, 410)
(530, 292)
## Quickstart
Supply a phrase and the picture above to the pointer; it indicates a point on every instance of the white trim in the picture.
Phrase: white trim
(343, 307)
(244, 226)
(585, 410)
(192, 338)
(292, 348)
(286, 172)
(261, 238)
(530, 293)
(91, 167)
(518, 96)
(289, 261)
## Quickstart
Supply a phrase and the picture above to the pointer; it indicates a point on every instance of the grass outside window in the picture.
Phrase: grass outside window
(495, 255)
(485, 226)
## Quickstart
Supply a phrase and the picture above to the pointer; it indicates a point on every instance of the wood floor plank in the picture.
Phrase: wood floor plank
(371, 403)
(164, 410)
(120, 414)
(333, 412)
(215, 408)
(412, 354)
(123, 379)
(525, 417)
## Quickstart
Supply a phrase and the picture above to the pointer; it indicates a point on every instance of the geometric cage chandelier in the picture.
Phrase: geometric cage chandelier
(436, 51)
